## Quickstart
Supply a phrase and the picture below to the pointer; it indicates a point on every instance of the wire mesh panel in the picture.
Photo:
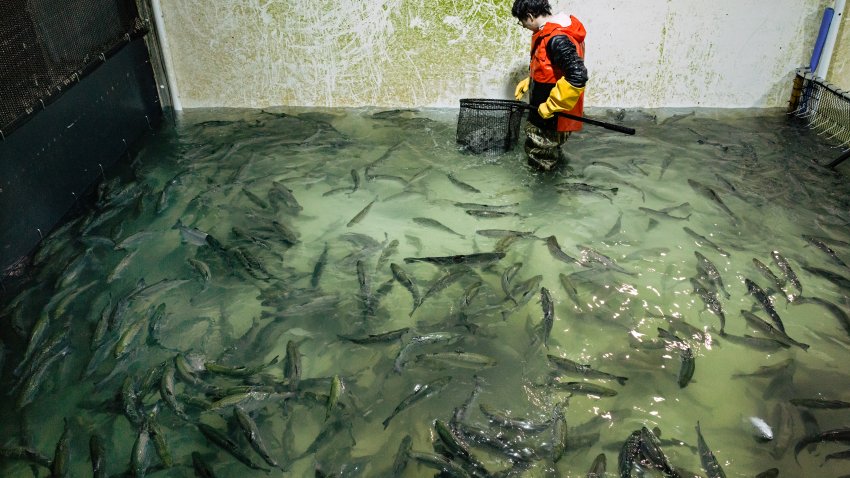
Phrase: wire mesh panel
(486, 126)
(824, 107)
(46, 44)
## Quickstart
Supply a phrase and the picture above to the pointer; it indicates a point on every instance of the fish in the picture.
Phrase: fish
(448, 467)
(650, 450)
(761, 430)
(453, 444)
(472, 205)
(770, 331)
(711, 195)
(597, 468)
(568, 367)
(336, 390)
(837, 279)
(709, 462)
(388, 251)
(687, 367)
(31, 386)
(60, 466)
(166, 391)
(616, 228)
(201, 467)
(584, 388)
(770, 473)
(501, 419)
(139, 458)
(280, 192)
(443, 282)
(501, 233)
(587, 188)
(458, 358)
(292, 364)
(15, 452)
(405, 280)
(570, 288)
(629, 452)
(201, 268)
(355, 178)
(662, 214)
(97, 453)
(402, 456)
(548, 306)
(287, 234)
(319, 267)
(377, 338)
(820, 403)
(225, 443)
(506, 278)
(360, 215)
(421, 340)
(477, 259)
(711, 272)
(590, 255)
(487, 214)
(558, 253)
(252, 434)
(786, 269)
(255, 199)
(762, 299)
(838, 435)
(665, 164)
(769, 275)
(711, 303)
(419, 393)
(705, 240)
(461, 184)
(239, 370)
(817, 242)
(426, 222)
(560, 432)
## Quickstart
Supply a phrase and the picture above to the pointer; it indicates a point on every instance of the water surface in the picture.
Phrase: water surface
(196, 251)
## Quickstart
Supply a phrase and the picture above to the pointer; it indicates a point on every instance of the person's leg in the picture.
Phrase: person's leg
(543, 148)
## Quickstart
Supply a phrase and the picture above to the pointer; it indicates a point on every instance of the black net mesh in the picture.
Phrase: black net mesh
(486, 126)
(824, 107)
(46, 44)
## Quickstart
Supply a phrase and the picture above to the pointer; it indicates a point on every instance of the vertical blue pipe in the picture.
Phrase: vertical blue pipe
(824, 29)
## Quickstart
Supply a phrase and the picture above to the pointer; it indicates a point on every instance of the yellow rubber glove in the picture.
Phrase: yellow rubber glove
(563, 97)
(521, 88)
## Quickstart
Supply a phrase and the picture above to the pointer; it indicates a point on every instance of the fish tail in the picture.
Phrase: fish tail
(178, 224)
(622, 380)
(688, 217)
(614, 191)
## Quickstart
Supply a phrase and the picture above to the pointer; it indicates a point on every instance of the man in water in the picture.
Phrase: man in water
(556, 77)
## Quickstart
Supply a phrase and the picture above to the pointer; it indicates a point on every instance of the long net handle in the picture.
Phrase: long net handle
(612, 127)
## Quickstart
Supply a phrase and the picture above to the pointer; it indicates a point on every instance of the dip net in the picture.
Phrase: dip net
(824, 108)
(488, 126)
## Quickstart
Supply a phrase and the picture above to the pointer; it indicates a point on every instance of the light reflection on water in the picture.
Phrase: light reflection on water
(221, 173)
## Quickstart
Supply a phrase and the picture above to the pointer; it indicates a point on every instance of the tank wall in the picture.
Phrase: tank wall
(652, 53)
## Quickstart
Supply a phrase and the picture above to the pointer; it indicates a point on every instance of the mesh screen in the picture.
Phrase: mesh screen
(824, 108)
(46, 44)
(487, 126)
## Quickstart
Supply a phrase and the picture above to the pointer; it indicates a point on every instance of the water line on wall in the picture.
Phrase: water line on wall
(831, 37)
(166, 54)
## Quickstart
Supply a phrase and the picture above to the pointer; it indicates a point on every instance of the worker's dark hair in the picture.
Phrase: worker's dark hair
(523, 9)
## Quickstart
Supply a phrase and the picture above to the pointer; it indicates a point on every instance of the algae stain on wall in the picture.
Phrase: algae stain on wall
(256, 53)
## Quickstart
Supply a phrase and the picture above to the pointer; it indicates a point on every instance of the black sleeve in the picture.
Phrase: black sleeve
(563, 54)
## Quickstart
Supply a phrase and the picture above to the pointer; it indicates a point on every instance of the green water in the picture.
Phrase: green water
(217, 172)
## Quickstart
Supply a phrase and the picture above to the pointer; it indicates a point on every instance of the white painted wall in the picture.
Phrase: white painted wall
(640, 53)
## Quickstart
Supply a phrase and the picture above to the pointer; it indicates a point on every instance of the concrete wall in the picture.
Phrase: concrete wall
(839, 69)
(646, 53)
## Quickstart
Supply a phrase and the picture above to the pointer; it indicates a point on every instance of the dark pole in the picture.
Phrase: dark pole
(840, 159)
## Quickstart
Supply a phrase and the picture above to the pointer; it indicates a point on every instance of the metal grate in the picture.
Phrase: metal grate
(824, 107)
(46, 45)
(486, 126)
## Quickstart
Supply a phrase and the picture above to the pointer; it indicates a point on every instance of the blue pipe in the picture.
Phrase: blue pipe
(824, 29)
